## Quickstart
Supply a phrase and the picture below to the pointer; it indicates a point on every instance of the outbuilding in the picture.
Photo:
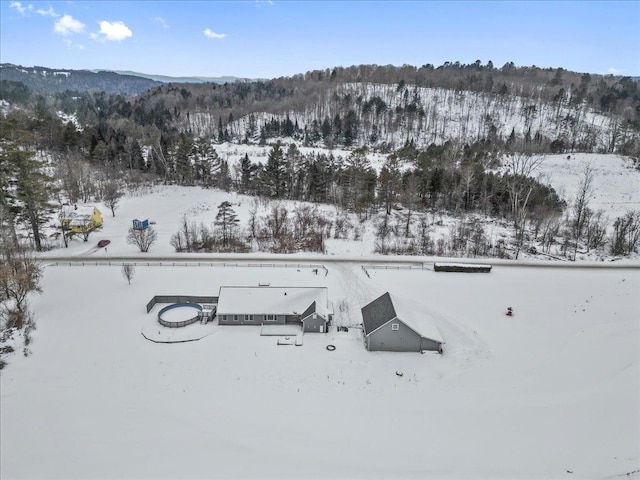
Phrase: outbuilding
(395, 325)
(139, 224)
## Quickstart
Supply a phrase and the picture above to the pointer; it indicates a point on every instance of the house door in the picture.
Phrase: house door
(321, 328)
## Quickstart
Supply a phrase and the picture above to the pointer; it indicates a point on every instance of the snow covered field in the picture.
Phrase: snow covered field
(616, 184)
(616, 191)
(552, 390)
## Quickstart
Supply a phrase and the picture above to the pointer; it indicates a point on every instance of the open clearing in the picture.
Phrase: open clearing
(555, 388)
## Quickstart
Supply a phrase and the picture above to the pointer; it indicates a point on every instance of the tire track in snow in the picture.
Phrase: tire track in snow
(355, 293)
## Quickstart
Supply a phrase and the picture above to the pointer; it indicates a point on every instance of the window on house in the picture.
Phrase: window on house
(395, 326)
(235, 318)
(270, 318)
(223, 318)
(251, 318)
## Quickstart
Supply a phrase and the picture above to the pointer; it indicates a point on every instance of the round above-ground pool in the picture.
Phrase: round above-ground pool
(179, 314)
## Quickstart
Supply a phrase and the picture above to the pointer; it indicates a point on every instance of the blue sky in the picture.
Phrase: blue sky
(266, 39)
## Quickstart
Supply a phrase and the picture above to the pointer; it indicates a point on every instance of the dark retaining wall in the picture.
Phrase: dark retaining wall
(179, 299)
(444, 267)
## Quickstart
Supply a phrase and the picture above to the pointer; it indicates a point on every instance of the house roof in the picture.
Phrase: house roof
(389, 307)
(377, 313)
(272, 300)
(315, 308)
(70, 212)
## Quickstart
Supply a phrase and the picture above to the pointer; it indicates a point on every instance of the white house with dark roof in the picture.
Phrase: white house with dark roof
(392, 324)
(266, 305)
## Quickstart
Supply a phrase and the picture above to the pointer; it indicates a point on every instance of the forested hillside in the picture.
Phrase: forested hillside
(431, 160)
(461, 139)
(46, 80)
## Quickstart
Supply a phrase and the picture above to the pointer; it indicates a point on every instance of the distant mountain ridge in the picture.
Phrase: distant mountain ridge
(43, 79)
(169, 79)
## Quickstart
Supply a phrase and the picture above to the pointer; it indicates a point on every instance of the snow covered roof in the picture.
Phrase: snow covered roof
(463, 265)
(272, 300)
(389, 307)
(70, 212)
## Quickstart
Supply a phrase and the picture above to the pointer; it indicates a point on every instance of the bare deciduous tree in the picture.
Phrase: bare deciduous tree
(581, 211)
(111, 195)
(626, 234)
(128, 271)
(518, 180)
(142, 238)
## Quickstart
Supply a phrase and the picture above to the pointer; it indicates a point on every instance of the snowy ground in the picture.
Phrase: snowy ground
(616, 184)
(616, 191)
(552, 390)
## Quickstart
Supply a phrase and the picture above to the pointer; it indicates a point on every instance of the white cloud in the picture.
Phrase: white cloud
(614, 71)
(211, 34)
(50, 12)
(21, 8)
(161, 21)
(67, 25)
(112, 31)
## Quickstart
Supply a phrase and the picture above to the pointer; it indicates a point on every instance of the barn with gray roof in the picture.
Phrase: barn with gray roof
(395, 325)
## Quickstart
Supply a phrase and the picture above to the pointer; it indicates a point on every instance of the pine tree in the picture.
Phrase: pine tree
(317, 183)
(33, 189)
(137, 159)
(226, 221)
(220, 131)
(184, 168)
(247, 174)
(272, 176)
(350, 128)
(386, 188)
(223, 177)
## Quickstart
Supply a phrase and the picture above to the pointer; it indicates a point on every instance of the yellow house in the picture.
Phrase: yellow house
(80, 219)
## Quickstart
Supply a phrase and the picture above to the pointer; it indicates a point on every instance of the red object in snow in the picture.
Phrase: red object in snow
(509, 312)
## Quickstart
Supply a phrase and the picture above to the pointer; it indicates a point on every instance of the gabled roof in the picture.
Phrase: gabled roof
(377, 313)
(388, 307)
(272, 300)
(315, 308)
(83, 211)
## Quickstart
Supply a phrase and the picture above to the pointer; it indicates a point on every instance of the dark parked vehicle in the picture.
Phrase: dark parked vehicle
(103, 243)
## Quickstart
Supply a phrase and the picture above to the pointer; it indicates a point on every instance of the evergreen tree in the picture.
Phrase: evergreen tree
(388, 184)
(350, 128)
(220, 131)
(206, 162)
(358, 181)
(223, 177)
(318, 179)
(337, 129)
(272, 175)
(33, 189)
(226, 221)
(183, 166)
(137, 159)
(326, 131)
(288, 130)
